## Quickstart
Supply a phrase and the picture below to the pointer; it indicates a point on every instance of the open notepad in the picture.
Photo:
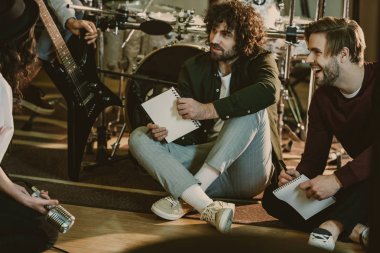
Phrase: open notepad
(162, 109)
(296, 197)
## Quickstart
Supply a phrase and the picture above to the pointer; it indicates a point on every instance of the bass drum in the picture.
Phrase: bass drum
(162, 64)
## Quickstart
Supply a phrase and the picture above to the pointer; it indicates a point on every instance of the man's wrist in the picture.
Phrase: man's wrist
(68, 21)
(340, 185)
(211, 112)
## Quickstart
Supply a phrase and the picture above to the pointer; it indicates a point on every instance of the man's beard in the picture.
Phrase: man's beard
(330, 73)
(225, 56)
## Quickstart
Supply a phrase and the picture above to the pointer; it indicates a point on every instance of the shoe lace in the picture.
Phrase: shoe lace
(209, 214)
(172, 201)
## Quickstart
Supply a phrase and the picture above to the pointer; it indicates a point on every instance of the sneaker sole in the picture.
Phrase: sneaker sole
(164, 215)
(227, 220)
(231, 206)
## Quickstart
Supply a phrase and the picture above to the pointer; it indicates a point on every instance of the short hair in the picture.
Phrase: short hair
(243, 19)
(340, 33)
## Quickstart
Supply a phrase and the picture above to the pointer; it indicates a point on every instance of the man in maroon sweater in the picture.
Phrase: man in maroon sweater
(342, 107)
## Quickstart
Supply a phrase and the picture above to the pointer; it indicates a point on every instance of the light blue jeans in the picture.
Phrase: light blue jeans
(241, 152)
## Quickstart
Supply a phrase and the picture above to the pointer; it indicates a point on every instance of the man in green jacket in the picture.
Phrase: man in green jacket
(232, 91)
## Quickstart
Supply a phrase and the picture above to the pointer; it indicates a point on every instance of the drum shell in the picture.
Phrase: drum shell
(163, 64)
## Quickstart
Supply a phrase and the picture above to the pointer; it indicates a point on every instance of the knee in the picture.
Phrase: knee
(49, 236)
(269, 202)
(52, 238)
(137, 137)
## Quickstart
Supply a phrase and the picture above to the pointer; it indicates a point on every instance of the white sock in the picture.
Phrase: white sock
(196, 197)
(207, 175)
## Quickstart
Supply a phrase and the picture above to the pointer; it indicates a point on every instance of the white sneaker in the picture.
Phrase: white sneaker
(219, 214)
(171, 209)
(322, 238)
(364, 236)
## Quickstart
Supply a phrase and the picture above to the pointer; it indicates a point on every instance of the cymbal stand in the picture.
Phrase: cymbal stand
(123, 69)
(291, 41)
(121, 112)
(321, 4)
(101, 154)
(133, 31)
(102, 129)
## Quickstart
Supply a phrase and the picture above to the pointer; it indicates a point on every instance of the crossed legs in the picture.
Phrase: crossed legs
(241, 157)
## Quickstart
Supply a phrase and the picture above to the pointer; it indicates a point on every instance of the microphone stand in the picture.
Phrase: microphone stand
(102, 157)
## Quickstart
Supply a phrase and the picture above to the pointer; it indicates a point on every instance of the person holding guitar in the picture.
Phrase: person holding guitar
(69, 22)
(22, 224)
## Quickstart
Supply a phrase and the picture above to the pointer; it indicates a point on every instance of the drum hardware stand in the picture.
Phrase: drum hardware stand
(123, 65)
(101, 154)
(346, 8)
(291, 40)
(123, 69)
(138, 77)
(101, 135)
(321, 4)
(133, 30)
(116, 145)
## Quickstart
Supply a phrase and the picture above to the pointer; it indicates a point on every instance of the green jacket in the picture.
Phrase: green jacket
(254, 86)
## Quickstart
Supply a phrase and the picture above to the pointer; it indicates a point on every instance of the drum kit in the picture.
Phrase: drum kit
(143, 44)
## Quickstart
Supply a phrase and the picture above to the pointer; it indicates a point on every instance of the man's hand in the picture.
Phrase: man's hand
(286, 176)
(158, 133)
(189, 108)
(74, 26)
(321, 187)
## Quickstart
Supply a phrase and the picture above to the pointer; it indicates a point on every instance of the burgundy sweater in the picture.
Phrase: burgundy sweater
(351, 121)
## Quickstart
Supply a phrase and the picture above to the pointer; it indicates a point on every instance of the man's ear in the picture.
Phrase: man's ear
(344, 55)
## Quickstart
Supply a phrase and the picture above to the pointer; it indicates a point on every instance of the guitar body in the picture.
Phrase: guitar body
(86, 97)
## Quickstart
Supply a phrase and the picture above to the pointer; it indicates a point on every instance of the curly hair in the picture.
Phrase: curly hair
(243, 19)
(16, 58)
(340, 32)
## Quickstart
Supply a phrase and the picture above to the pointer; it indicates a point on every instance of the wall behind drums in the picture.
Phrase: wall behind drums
(199, 6)
(333, 8)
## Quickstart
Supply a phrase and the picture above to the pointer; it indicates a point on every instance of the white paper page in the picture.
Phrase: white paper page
(162, 109)
(296, 197)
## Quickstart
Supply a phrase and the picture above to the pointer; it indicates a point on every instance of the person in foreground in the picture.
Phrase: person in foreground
(341, 107)
(232, 91)
(22, 224)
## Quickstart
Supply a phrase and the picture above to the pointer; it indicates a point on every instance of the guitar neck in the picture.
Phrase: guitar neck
(62, 51)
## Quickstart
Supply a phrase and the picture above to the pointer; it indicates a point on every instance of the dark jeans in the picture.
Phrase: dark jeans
(22, 229)
(350, 208)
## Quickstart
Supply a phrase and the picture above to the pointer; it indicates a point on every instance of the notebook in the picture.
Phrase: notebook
(162, 109)
(296, 197)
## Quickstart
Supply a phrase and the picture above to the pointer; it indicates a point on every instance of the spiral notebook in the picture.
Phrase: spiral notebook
(296, 197)
(162, 109)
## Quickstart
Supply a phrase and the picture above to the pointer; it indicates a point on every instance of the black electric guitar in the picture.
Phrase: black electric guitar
(85, 95)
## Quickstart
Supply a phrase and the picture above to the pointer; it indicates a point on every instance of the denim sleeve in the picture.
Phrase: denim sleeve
(61, 11)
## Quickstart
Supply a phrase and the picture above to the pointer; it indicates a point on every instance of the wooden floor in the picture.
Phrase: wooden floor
(106, 231)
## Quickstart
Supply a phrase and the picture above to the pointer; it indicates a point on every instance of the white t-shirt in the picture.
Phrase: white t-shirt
(6, 118)
(224, 92)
